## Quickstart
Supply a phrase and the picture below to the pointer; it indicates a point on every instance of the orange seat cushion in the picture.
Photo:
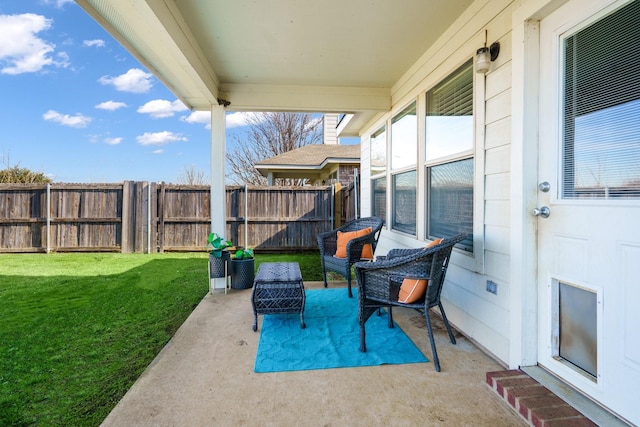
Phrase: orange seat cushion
(412, 290)
(434, 243)
(345, 237)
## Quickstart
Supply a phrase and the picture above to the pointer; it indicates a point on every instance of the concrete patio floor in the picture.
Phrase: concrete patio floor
(205, 377)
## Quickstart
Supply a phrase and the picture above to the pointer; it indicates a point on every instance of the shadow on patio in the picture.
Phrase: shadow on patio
(205, 376)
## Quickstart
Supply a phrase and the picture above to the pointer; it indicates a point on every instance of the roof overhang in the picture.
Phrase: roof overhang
(280, 55)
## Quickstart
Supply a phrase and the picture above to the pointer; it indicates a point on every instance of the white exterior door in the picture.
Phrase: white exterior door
(589, 244)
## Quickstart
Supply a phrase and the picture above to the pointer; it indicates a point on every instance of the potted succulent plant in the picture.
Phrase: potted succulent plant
(242, 269)
(218, 255)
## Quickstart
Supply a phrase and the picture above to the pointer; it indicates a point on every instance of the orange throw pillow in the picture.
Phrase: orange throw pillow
(434, 243)
(345, 237)
(367, 251)
(412, 290)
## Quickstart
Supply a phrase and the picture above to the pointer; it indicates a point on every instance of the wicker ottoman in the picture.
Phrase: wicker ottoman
(278, 288)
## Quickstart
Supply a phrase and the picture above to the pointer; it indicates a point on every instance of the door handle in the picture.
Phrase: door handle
(544, 212)
(544, 187)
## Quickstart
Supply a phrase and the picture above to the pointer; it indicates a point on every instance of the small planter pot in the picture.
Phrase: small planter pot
(216, 265)
(242, 273)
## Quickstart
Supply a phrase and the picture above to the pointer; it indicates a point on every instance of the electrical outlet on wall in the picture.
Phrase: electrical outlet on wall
(492, 287)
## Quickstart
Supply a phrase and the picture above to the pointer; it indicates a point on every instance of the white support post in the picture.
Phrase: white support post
(218, 193)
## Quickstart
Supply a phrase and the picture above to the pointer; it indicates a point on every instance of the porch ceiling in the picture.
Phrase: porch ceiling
(279, 55)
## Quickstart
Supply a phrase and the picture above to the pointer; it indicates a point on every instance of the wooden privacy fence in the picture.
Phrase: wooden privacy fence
(149, 217)
(72, 217)
(347, 201)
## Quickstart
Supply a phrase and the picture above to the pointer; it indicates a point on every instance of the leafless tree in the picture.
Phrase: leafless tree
(270, 134)
(192, 176)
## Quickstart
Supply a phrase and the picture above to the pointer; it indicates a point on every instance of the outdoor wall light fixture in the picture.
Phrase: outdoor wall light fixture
(485, 55)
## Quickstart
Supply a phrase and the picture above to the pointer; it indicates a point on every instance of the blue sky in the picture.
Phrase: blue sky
(79, 108)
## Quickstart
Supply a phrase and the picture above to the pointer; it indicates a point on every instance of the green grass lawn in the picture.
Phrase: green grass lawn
(77, 329)
(310, 265)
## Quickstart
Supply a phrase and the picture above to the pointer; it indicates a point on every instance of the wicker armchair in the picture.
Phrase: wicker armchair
(379, 284)
(328, 243)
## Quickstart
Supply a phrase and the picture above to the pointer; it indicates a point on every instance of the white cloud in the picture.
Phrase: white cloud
(135, 80)
(57, 3)
(113, 141)
(238, 119)
(77, 121)
(159, 138)
(63, 60)
(95, 42)
(160, 151)
(111, 105)
(233, 120)
(21, 51)
(160, 108)
(203, 117)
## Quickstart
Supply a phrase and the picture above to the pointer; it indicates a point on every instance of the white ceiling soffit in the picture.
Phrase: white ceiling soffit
(279, 55)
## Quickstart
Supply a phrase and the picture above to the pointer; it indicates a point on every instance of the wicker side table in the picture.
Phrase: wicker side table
(278, 288)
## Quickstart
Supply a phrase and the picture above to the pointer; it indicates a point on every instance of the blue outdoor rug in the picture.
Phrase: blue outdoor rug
(331, 338)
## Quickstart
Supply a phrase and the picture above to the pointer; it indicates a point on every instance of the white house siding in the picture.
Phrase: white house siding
(329, 124)
(482, 316)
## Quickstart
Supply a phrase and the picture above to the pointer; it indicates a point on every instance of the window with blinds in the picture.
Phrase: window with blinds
(601, 106)
(449, 117)
(449, 156)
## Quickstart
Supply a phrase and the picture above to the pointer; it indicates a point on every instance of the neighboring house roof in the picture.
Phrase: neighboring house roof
(311, 161)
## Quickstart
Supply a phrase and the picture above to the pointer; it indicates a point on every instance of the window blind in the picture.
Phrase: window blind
(454, 96)
(601, 106)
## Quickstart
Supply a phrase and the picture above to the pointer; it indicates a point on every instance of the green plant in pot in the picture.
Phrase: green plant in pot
(218, 254)
(244, 254)
(217, 244)
(242, 269)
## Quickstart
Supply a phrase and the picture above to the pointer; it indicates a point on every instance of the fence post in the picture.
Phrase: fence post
(140, 216)
(149, 220)
(246, 216)
(161, 215)
(356, 192)
(333, 206)
(126, 241)
(48, 203)
(153, 217)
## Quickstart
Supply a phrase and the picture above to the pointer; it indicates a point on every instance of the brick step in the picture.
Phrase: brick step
(539, 406)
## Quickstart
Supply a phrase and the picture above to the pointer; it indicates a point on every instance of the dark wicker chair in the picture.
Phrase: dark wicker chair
(379, 284)
(328, 243)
